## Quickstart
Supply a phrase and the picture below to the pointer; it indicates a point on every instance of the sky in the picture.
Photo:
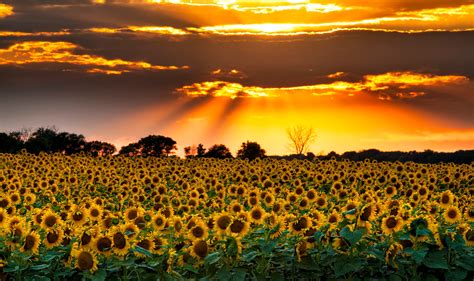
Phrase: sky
(384, 74)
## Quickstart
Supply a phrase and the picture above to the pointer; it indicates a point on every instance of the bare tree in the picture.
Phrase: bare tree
(301, 138)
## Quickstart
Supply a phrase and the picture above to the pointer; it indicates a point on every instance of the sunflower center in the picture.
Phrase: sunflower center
(332, 219)
(132, 214)
(452, 214)
(104, 244)
(52, 237)
(85, 261)
(95, 213)
(85, 239)
(145, 244)
(256, 214)
(445, 199)
(77, 216)
(50, 221)
(119, 240)
(366, 213)
(200, 249)
(30, 241)
(237, 226)
(198, 232)
(391, 222)
(223, 222)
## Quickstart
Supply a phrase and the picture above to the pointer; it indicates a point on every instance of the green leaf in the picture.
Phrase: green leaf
(455, 275)
(212, 258)
(223, 274)
(436, 259)
(39, 266)
(100, 275)
(191, 269)
(142, 251)
(352, 237)
(239, 274)
(343, 266)
(350, 212)
(417, 255)
(466, 261)
(248, 257)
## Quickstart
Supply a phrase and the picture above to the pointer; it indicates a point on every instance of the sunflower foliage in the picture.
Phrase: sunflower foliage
(133, 218)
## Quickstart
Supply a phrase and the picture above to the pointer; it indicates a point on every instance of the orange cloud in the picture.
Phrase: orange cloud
(5, 10)
(25, 34)
(391, 85)
(228, 73)
(157, 30)
(62, 52)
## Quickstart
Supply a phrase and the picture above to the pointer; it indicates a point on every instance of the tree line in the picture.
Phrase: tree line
(50, 140)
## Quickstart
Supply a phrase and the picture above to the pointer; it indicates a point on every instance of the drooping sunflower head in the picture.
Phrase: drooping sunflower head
(199, 249)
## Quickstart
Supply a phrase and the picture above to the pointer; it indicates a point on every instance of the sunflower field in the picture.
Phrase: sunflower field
(132, 218)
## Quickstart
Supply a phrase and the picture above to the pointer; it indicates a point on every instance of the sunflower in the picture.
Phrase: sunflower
(32, 243)
(50, 220)
(321, 202)
(120, 242)
(222, 221)
(257, 214)
(146, 244)
(468, 213)
(132, 213)
(391, 224)
(301, 249)
(333, 219)
(158, 221)
(446, 199)
(235, 207)
(4, 219)
(77, 216)
(199, 249)
(94, 212)
(102, 244)
(452, 214)
(198, 231)
(85, 259)
(131, 230)
(54, 237)
(392, 253)
(301, 224)
(469, 237)
(239, 227)
(367, 213)
(390, 191)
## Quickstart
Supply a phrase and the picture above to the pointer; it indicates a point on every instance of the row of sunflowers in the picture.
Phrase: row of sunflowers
(80, 217)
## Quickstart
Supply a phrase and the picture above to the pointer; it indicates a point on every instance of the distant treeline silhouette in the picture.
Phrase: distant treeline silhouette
(50, 140)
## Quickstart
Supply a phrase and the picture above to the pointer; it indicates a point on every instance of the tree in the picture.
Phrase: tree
(130, 150)
(250, 150)
(201, 151)
(190, 151)
(301, 138)
(218, 151)
(150, 146)
(99, 148)
(9, 143)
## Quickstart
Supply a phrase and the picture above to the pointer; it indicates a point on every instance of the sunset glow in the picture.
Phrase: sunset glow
(392, 75)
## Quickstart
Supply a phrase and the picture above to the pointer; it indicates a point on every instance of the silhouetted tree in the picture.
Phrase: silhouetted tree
(132, 149)
(151, 146)
(250, 150)
(201, 151)
(218, 151)
(301, 138)
(50, 141)
(190, 151)
(10, 143)
(99, 148)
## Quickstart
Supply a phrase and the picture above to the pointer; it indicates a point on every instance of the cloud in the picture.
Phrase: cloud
(387, 86)
(228, 73)
(5, 10)
(31, 34)
(35, 52)
(156, 30)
